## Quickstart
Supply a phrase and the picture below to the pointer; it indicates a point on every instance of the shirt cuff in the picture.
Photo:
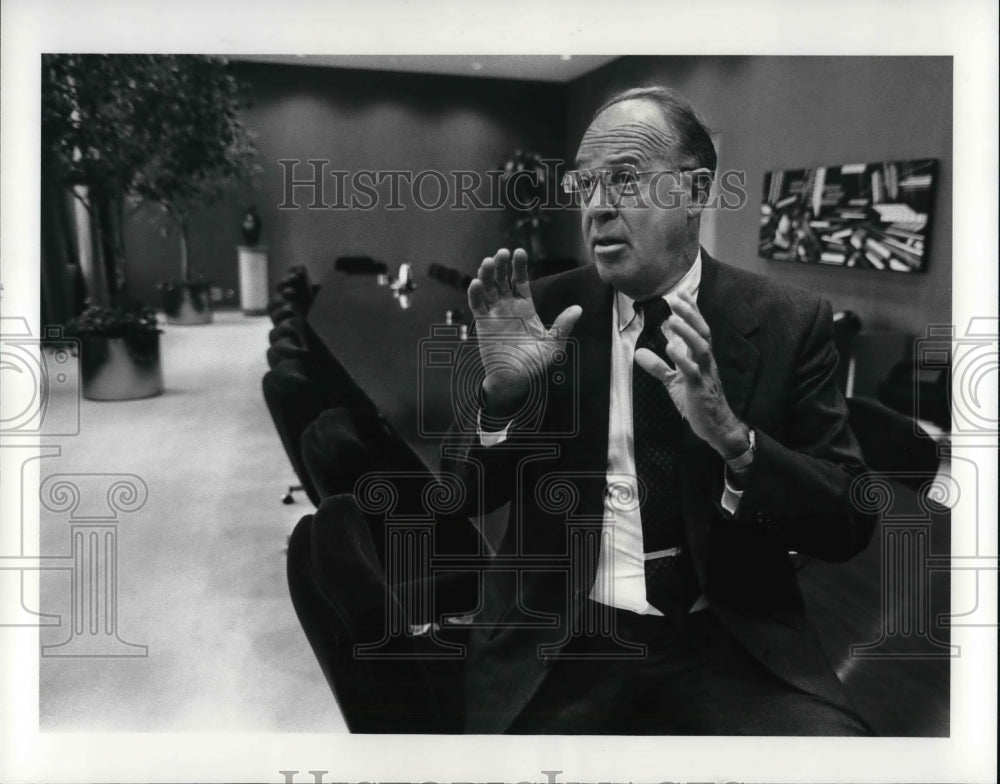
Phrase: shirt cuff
(492, 437)
(730, 496)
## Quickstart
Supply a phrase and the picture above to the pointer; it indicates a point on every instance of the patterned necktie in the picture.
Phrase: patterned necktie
(671, 585)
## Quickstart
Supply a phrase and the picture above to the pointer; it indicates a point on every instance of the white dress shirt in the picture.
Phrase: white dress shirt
(620, 579)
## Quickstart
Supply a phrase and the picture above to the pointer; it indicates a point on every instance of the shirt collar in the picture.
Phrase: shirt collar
(689, 284)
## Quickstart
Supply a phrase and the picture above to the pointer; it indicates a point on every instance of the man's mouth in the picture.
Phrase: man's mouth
(608, 244)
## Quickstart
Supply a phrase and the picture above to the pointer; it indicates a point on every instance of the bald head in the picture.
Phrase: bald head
(686, 139)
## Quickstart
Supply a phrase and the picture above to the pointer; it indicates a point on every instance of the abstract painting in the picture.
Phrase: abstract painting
(862, 215)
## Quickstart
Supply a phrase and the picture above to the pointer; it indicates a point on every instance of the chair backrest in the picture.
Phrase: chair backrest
(923, 392)
(297, 289)
(344, 450)
(846, 325)
(342, 600)
(334, 453)
(294, 401)
(893, 443)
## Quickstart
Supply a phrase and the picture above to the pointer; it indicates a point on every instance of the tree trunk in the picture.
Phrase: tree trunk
(185, 271)
(101, 245)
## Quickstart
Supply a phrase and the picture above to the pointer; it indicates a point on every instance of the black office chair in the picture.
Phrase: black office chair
(290, 339)
(342, 600)
(334, 452)
(279, 310)
(360, 265)
(297, 289)
(346, 446)
(294, 401)
(902, 689)
(892, 443)
(318, 381)
(846, 326)
(919, 392)
(287, 341)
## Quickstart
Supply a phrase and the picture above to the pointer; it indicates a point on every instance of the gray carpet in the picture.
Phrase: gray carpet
(201, 566)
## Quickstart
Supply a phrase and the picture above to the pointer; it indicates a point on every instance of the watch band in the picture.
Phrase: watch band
(742, 462)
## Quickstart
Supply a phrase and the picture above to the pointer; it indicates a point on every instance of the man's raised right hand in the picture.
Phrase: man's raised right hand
(515, 347)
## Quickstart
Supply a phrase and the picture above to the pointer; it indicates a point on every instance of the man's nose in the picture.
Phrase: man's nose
(601, 202)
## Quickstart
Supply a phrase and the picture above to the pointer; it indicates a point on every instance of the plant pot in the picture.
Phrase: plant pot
(187, 303)
(120, 368)
(253, 280)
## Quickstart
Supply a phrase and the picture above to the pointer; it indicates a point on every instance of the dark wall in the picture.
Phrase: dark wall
(787, 112)
(769, 112)
(363, 120)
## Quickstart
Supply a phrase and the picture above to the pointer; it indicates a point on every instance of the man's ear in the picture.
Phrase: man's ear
(701, 190)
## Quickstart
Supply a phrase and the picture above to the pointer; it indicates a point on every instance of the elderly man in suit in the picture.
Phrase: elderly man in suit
(689, 413)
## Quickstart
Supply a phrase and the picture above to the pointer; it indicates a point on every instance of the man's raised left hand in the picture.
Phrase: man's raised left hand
(694, 386)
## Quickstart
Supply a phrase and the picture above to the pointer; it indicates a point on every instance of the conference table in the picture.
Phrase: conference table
(399, 350)
(404, 357)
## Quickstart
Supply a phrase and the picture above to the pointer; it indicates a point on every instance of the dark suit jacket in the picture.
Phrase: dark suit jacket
(773, 346)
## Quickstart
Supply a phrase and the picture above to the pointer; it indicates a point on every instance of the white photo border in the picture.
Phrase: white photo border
(965, 31)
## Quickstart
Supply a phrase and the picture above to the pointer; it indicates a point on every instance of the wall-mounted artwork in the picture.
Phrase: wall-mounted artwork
(862, 215)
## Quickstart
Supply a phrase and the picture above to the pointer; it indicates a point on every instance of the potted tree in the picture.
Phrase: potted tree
(118, 131)
(93, 144)
(202, 150)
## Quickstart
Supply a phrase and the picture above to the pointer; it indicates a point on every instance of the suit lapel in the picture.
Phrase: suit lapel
(732, 321)
(588, 451)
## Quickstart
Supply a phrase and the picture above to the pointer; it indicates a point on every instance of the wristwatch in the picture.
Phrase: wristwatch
(742, 462)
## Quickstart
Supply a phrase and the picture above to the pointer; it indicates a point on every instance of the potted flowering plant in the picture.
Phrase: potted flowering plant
(119, 352)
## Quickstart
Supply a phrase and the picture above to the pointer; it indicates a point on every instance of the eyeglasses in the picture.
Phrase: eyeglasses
(618, 182)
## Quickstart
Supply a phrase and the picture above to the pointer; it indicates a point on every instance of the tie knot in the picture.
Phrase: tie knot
(654, 312)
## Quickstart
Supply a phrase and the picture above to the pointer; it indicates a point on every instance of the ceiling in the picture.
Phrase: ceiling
(541, 68)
